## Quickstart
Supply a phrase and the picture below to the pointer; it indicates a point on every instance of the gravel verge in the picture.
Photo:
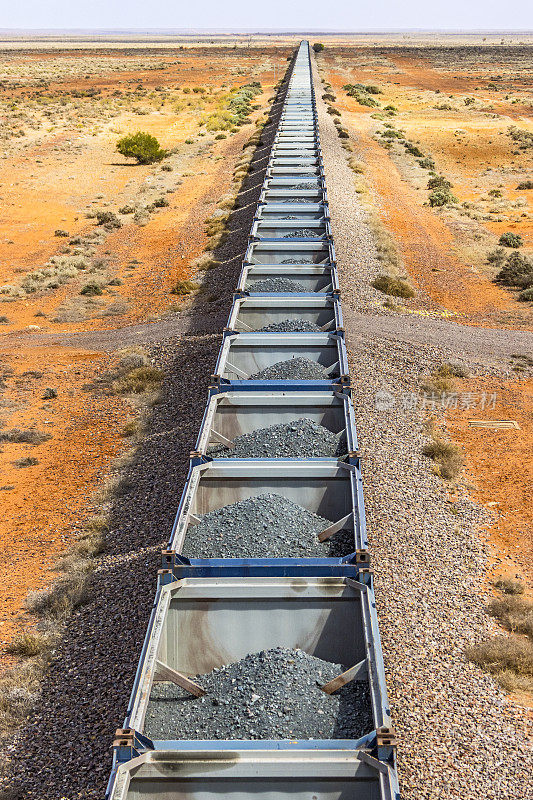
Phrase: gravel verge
(294, 369)
(302, 438)
(274, 694)
(281, 529)
(459, 734)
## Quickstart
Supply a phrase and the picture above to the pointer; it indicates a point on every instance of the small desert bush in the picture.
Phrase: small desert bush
(517, 271)
(396, 287)
(496, 256)
(439, 182)
(451, 370)
(24, 436)
(525, 185)
(108, 219)
(509, 239)
(413, 150)
(91, 289)
(318, 47)
(447, 456)
(526, 296)
(184, 287)
(510, 586)
(441, 197)
(143, 147)
(426, 163)
(29, 461)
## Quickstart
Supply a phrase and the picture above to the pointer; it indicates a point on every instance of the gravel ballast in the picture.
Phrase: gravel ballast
(295, 369)
(281, 529)
(273, 694)
(460, 735)
(291, 326)
(277, 285)
(302, 438)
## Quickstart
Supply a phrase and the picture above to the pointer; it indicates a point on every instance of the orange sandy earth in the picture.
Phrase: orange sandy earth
(444, 251)
(433, 243)
(500, 468)
(43, 189)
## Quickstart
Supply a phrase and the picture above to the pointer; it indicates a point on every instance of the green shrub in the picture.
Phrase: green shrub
(509, 239)
(91, 289)
(525, 185)
(143, 147)
(161, 202)
(517, 271)
(526, 296)
(108, 218)
(426, 163)
(441, 197)
(221, 136)
(413, 150)
(495, 193)
(396, 287)
(439, 182)
(496, 256)
(318, 47)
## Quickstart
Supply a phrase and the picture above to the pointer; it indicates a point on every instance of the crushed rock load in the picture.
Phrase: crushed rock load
(273, 694)
(277, 285)
(295, 369)
(291, 326)
(301, 233)
(302, 438)
(266, 526)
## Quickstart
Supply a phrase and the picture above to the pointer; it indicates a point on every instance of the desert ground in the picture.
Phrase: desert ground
(116, 280)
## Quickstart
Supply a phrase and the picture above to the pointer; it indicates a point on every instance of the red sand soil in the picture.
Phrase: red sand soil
(500, 468)
(49, 501)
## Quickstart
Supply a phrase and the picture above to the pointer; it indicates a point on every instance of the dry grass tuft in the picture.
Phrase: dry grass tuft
(394, 286)
(139, 381)
(448, 457)
(513, 613)
(508, 659)
(183, 288)
(30, 644)
(66, 594)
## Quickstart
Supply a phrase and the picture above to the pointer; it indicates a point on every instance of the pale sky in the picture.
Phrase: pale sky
(348, 15)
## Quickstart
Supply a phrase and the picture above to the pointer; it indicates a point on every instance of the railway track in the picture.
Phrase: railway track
(283, 359)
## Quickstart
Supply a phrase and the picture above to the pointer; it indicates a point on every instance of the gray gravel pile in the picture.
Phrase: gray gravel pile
(274, 694)
(302, 438)
(302, 233)
(308, 185)
(277, 285)
(298, 369)
(296, 200)
(296, 261)
(290, 326)
(266, 526)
